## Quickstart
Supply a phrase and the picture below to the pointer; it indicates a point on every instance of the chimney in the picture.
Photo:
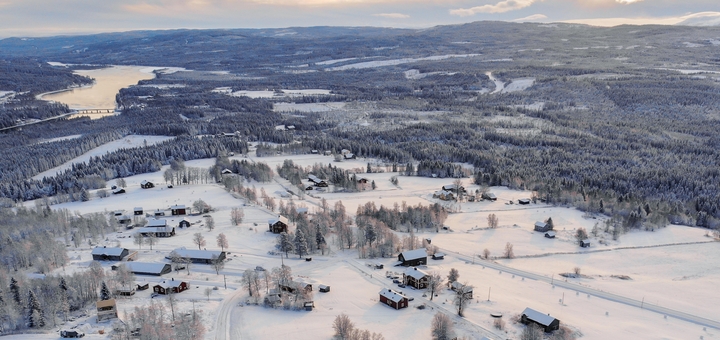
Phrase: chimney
(173, 279)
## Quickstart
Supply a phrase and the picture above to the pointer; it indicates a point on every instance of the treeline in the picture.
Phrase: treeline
(298, 176)
(402, 217)
(36, 76)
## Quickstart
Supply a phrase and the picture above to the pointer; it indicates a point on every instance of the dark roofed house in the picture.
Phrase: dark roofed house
(550, 234)
(547, 322)
(278, 225)
(200, 256)
(147, 184)
(170, 287)
(138, 211)
(178, 210)
(413, 257)
(524, 201)
(109, 254)
(184, 223)
(542, 227)
(146, 268)
(457, 286)
(585, 243)
(317, 181)
(416, 278)
(393, 299)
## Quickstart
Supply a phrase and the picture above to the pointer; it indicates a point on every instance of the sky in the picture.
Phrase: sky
(22, 18)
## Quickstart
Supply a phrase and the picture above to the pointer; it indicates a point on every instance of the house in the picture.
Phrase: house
(453, 188)
(550, 234)
(123, 219)
(143, 286)
(184, 223)
(323, 288)
(456, 286)
(125, 291)
(147, 184)
(71, 334)
(542, 227)
(158, 213)
(109, 254)
(489, 196)
(585, 243)
(118, 191)
(199, 256)
(138, 211)
(309, 305)
(444, 195)
(524, 201)
(416, 278)
(117, 212)
(170, 287)
(178, 210)
(106, 309)
(547, 322)
(317, 181)
(349, 156)
(158, 228)
(146, 268)
(393, 298)
(438, 256)
(278, 225)
(362, 180)
(294, 285)
(413, 257)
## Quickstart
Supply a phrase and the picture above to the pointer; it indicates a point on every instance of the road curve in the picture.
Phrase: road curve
(585, 290)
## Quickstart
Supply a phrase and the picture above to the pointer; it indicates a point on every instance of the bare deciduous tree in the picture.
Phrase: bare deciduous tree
(486, 253)
(492, 221)
(237, 215)
(442, 327)
(463, 295)
(453, 275)
(199, 240)
(435, 281)
(509, 254)
(222, 241)
(343, 327)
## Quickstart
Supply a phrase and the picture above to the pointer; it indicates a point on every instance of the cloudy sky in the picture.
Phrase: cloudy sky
(52, 17)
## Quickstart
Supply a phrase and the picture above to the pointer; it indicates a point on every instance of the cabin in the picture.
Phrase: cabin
(542, 227)
(170, 287)
(158, 213)
(489, 196)
(524, 201)
(309, 305)
(444, 195)
(393, 299)
(118, 191)
(550, 234)
(362, 180)
(157, 228)
(138, 211)
(143, 286)
(122, 291)
(184, 223)
(178, 210)
(416, 278)
(457, 286)
(294, 285)
(147, 184)
(453, 188)
(109, 254)
(123, 219)
(585, 243)
(438, 256)
(413, 258)
(349, 156)
(323, 288)
(199, 256)
(278, 225)
(106, 309)
(317, 181)
(146, 268)
(545, 321)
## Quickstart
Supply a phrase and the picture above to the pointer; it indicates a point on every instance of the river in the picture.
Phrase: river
(101, 94)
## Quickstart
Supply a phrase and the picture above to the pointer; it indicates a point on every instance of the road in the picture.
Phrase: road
(223, 322)
(585, 290)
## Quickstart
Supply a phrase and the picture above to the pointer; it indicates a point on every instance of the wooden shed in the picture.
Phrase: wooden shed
(547, 322)
(413, 258)
(393, 299)
(178, 210)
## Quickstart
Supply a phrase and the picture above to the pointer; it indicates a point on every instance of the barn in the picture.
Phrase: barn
(109, 254)
(547, 322)
(413, 257)
(146, 268)
(178, 210)
(200, 256)
(170, 287)
(137, 211)
(147, 184)
(416, 278)
(278, 225)
(542, 227)
(393, 299)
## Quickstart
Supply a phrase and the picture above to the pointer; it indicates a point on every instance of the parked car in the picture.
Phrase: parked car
(153, 295)
(396, 281)
(402, 285)
(71, 334)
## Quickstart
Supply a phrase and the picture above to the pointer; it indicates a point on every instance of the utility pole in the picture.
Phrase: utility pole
(642, 303)
(552, 280)
(225, 281)
(489, 293)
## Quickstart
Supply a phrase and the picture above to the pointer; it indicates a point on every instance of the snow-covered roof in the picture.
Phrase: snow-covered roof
(177, 206)
(540, 224)
(392, 295)
(414, 254)
(113, 251)
(165, 229)
(197, 254)
(301, 210)
(543, 319)
(170, 284)
(122, 218)
(226, 171)
(145, 267)
(282, 219)
(314, 178)
(550, 233)
(144, 182)
(457, 285)
(137, 209)
(490, 195)
(156, 223)
(449, 187)
(415, 273)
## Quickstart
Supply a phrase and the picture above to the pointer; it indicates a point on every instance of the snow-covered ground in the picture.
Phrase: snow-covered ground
(308, 107)
(393, 62)
(674, 267)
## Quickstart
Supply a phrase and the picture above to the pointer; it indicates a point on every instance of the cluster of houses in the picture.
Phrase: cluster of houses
(156, 269)
(547, 228)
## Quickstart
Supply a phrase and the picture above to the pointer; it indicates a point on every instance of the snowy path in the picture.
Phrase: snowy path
(601, 294)
(223, 322)
(499, 85)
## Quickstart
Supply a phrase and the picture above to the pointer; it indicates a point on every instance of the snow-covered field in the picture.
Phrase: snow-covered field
(308, 107)
(675, 267)
(393, 62)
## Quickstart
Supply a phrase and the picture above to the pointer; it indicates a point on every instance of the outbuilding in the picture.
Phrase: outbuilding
(524, 201)
(393, 299)
(184, 223)
(585, 243)
(550, 234)
(547, 322)
(146, 268)
(178, 210)
(542, 226)
(147, 184)
(109, 254)
(200, 256)
(170, 287)
(489, 196)
(438, 256)
(278, 225)
(138, 211)
(317, 181)
(413, 258)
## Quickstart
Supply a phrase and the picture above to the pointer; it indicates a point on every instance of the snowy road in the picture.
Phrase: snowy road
(601, 294)
(223, 322)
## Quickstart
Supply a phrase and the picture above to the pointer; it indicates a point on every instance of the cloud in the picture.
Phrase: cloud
(500, 7)
(392, 15)
(627, 2)
(534, 17)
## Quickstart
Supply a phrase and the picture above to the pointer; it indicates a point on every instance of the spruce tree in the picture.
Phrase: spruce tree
(15, 290)
(104, 292)
(36, 317)
(300, 243)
